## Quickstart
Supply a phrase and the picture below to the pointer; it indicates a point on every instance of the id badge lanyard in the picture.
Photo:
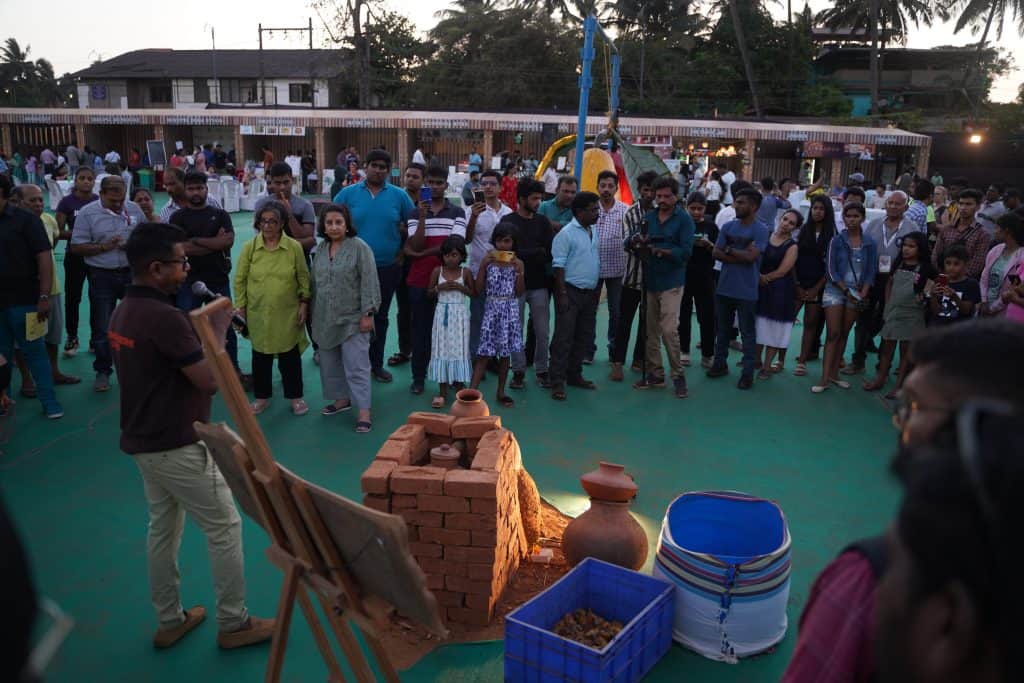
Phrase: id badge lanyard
(884, 260)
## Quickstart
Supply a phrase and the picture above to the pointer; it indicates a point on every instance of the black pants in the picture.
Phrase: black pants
(289, 364)
(699, 292)
(628, 305)
(405, 341)
(75, 272)
(871, 320)
(574, 328)
(421, 307)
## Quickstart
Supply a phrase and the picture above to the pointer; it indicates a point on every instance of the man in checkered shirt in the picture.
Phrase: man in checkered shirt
(610, 237)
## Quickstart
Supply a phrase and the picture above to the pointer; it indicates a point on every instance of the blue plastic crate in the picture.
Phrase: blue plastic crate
(645, 605)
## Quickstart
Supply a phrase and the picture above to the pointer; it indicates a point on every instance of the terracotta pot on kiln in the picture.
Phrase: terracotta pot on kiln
(607, 530)
(445, 456)
(469, 403)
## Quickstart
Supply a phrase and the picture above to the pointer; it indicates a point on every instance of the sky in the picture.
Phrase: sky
(134, 26)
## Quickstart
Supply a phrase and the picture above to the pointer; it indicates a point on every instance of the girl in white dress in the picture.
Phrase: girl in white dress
(450, 362)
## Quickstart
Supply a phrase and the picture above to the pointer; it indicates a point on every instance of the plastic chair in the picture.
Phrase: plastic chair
(257, 188)
(54, 192)
(232, 189)
(214, 189)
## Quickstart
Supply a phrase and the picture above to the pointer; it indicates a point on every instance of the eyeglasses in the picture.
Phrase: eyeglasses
(904, 408)
(183, 261)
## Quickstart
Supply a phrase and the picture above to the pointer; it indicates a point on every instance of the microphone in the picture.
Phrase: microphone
(202, 292)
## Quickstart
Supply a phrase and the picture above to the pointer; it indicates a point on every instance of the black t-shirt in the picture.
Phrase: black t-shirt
(206, 222)
(22, 237)
(220, 160)
(151, 341)
(949, 312)
(702, 263)
(533, 247)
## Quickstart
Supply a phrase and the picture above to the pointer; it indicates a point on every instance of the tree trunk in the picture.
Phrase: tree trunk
(362, 45)
(970, 65)
(873, 57)
(734, 11)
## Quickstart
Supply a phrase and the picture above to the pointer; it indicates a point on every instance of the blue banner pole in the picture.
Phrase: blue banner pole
(587, 57)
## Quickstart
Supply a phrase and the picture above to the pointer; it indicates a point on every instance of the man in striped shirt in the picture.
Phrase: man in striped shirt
(610, 244)
(429, 226)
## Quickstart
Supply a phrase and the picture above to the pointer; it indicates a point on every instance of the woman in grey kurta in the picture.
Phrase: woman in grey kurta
(346, 295)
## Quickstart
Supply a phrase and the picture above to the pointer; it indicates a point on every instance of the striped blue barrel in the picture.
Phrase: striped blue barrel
(728, 555)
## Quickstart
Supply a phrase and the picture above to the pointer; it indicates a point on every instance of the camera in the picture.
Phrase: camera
(640, 244)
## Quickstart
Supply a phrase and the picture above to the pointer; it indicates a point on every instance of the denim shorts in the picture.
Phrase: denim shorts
(833, 296)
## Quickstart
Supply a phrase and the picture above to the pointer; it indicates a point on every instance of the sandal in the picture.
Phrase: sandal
(776, 366)
(763, 375)
(558, 395)
(437, 402)
(841, 383)
(332, 409)
(506, 401)
(363, 426)
(259, 405)
(67, 379)
(398, 359)
(801, 369)
(299, 407)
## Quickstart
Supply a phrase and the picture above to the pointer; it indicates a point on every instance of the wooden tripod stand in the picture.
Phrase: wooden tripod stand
(347, 555)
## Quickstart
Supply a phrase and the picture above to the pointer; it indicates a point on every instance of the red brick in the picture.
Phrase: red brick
(399, 452)
(433, 423)
(479, 602)
(483, 506)
(449, 599)
(470, 617)
(375, 478)
(491, 449)
(479, 572)
(462, 584)
(475, 427)
(424, 520)
(483, 539)
(409, 432)
(432, 503)
(469, 521)
(413, 531)
(435, 582)
(466, 554)
(404, 501)
(382, 503)
(422, 549)
(452, 537)
(431, 565)
(410, 479)
(470, 484)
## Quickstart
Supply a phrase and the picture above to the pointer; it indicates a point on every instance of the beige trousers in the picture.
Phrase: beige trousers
(663, 326)
(184, 480)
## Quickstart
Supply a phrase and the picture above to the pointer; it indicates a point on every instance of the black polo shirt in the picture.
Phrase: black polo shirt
(22, 238)
(151, 341)
(206, 222)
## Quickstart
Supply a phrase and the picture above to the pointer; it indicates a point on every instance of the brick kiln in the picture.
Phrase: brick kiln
(469, 526)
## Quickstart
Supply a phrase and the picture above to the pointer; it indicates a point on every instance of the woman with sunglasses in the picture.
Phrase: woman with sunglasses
(272, 294)
(852, 264)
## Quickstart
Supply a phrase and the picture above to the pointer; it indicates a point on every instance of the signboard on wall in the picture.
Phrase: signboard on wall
(98, 91)
(818, 149)
(195, 121)
(277, 131)
(157, 153)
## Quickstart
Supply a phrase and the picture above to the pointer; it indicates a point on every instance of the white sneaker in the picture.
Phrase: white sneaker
(685, 358)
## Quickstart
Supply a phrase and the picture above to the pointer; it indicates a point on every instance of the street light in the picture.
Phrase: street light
(975, 139)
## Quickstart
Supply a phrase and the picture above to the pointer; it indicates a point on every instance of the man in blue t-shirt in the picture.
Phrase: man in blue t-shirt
(379, 211)
(739, 247)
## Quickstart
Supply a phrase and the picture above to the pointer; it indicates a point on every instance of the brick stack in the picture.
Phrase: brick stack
(466, 528)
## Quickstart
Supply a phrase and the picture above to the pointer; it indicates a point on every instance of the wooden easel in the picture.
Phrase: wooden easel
(291, 511)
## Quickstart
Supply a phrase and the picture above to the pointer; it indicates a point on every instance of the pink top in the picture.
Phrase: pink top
(997, 307)
(1015, 311)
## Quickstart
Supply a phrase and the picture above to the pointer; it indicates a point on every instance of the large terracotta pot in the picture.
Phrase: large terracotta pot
(608, 532)
(609, 482)
(469, 403)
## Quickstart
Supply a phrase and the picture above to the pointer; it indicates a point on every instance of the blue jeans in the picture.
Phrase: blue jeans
(12, 329)
(539, 301)
(613, 287)
(726, 308)
(421, 310)
(186, 302)
(388, 277)
(106, 288)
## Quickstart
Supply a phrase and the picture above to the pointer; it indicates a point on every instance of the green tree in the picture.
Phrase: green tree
(974, 13)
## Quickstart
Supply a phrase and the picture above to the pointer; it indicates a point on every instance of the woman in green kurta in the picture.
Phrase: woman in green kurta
(272, 294)
(346, 295)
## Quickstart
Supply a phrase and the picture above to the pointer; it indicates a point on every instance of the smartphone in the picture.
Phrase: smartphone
(478, 196)
(942, 280)
(425, 194)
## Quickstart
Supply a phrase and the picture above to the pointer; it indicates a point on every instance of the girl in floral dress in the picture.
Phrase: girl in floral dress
(452, 284)
(501, 333)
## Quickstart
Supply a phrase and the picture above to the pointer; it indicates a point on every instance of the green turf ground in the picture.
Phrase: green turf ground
(79, 502)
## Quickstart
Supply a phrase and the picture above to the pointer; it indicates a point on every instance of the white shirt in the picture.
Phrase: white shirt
(418, 158)
(294, 163)
(729, 178)
(987, 214)
(485, 224)
(724, 216)
(112, 157)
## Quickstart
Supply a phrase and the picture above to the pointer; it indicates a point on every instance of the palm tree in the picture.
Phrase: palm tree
(737, 26)
(576, 10)
(971, 14)
(892, 18)
(16, 71)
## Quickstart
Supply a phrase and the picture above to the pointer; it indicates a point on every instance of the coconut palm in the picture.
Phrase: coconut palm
(974, 13)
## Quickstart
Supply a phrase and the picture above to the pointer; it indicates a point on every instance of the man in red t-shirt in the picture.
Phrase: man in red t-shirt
(429, 225)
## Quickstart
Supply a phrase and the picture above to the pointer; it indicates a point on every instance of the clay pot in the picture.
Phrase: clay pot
(445, 456)
(469, 403)
(609, 482)
(608, 532)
